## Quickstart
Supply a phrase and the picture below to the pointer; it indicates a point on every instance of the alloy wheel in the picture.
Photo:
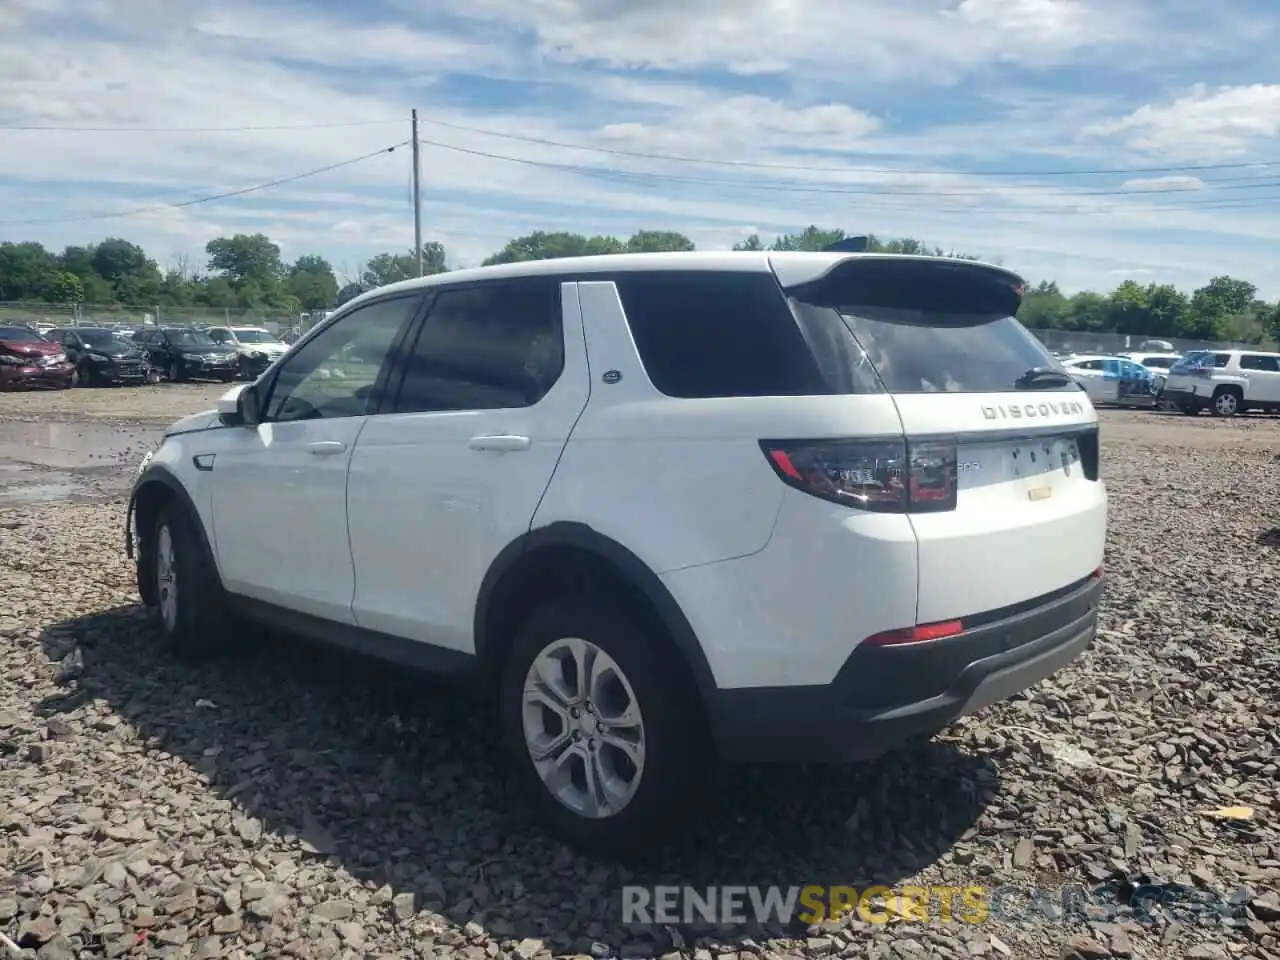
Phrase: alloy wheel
(583, 728)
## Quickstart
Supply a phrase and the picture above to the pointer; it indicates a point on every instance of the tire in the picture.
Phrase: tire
(173, 372)
(1227, 402)
(78, 379)
(178, 580)
(672, 747)
(228, 377)
(1189, 409)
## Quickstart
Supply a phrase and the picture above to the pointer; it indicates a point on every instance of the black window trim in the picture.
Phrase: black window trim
(393, 362)
(390, 400)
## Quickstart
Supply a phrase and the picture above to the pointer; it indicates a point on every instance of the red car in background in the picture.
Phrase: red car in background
(28, 360)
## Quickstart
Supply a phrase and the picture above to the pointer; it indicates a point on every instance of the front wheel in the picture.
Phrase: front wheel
(177, 579)
(605, 733)
(174, 371)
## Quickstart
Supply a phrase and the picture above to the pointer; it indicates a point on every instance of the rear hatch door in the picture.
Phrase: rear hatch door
(1029, 516)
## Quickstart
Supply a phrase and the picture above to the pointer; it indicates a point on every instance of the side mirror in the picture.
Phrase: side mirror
(238, 407)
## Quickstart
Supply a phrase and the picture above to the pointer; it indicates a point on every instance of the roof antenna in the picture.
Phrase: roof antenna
(848, 245)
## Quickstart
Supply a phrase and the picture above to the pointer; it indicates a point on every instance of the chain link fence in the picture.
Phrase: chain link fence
(1075, 341)
(115, 315)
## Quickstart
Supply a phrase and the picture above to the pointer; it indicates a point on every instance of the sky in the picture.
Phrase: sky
(1081, 141)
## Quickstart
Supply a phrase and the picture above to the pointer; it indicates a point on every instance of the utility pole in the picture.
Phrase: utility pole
(417, 197)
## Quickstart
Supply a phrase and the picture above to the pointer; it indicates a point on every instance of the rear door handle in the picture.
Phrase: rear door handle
(500, 443)
(326, 448)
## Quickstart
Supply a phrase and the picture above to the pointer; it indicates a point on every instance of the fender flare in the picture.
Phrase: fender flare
(613, 554)
(156, 474)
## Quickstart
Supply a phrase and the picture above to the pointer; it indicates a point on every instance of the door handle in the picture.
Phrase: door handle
(326, 448)
(500, 443)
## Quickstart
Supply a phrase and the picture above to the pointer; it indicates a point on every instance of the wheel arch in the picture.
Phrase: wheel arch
(561, 555)
(157, 488)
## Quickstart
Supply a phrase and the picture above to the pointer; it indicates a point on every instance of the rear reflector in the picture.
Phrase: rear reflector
(921, 633)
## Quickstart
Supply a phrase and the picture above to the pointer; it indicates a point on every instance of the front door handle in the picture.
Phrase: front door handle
(326, 448)
(500, 443)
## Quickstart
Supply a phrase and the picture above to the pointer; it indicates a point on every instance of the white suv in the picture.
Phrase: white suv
(256, 347)
(1227, 382)
(665, 507)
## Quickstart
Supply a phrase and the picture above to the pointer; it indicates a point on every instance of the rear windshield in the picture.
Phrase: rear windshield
(934, 327)
(917, 351)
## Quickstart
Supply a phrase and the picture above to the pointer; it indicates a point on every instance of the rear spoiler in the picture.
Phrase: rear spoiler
(943, 285)
(848, 245)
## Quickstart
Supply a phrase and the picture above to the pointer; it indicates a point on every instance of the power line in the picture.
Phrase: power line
(280, 126)
(212, 197)
(747, 164)
(831, 189)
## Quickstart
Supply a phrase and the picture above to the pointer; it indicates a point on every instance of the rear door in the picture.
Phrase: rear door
(1029, 516)
(491, 389)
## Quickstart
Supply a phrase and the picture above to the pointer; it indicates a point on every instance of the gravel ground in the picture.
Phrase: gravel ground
(289, 803)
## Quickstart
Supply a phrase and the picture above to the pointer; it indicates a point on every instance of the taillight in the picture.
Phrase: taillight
(882, 476)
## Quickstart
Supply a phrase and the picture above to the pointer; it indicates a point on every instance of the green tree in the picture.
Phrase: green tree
(658, 241)
(27, 271)
(752, 244)
(393, 267)
(540, 245)
(810, 238)
(1043, 307)
(312, 283)
(244, 258)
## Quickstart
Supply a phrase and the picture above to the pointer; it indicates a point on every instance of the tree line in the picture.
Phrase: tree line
(247, 272)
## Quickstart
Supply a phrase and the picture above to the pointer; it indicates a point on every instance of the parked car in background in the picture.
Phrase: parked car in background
(1227, 382)
(1117, 381)
(182, 353)
(101, 357)
(1158, 363)
(29, 360)
(256, 347)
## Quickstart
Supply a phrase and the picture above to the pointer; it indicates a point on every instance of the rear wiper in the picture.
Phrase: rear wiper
(1039, 377)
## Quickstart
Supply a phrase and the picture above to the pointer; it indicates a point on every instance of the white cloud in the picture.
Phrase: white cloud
(196, 63)
(1219, 122)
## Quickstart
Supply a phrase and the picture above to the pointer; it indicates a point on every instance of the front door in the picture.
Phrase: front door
(280, 487)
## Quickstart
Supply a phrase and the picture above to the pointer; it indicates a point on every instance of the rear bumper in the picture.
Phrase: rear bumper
(1180, 396)
(884, 697)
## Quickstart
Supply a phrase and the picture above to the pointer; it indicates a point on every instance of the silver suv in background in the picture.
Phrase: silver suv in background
(1227, 382)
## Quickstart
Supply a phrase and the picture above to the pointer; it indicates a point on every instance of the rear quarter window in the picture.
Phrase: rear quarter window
(703, 334)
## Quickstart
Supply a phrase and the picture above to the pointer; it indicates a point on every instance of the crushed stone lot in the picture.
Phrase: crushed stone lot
(293, 803)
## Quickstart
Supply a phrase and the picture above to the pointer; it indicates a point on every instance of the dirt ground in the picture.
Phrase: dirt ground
(295, 802)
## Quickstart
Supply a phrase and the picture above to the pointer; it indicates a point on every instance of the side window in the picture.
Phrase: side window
(1089, 365)
(1221, 359)
(334, 374)
(489, 347)
(726, 334)
(1255, 362)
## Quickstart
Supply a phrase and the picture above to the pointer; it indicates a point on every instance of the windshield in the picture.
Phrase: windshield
(19, 334)
(190, 338)
(1161, 362)
(254, 336)
(99, 338)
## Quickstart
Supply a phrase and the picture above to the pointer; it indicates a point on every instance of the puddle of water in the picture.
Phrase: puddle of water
(72, 446)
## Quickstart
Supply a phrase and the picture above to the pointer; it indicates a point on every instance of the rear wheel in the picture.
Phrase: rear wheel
(605, 734)
(1189, 409)
(1227, 401)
